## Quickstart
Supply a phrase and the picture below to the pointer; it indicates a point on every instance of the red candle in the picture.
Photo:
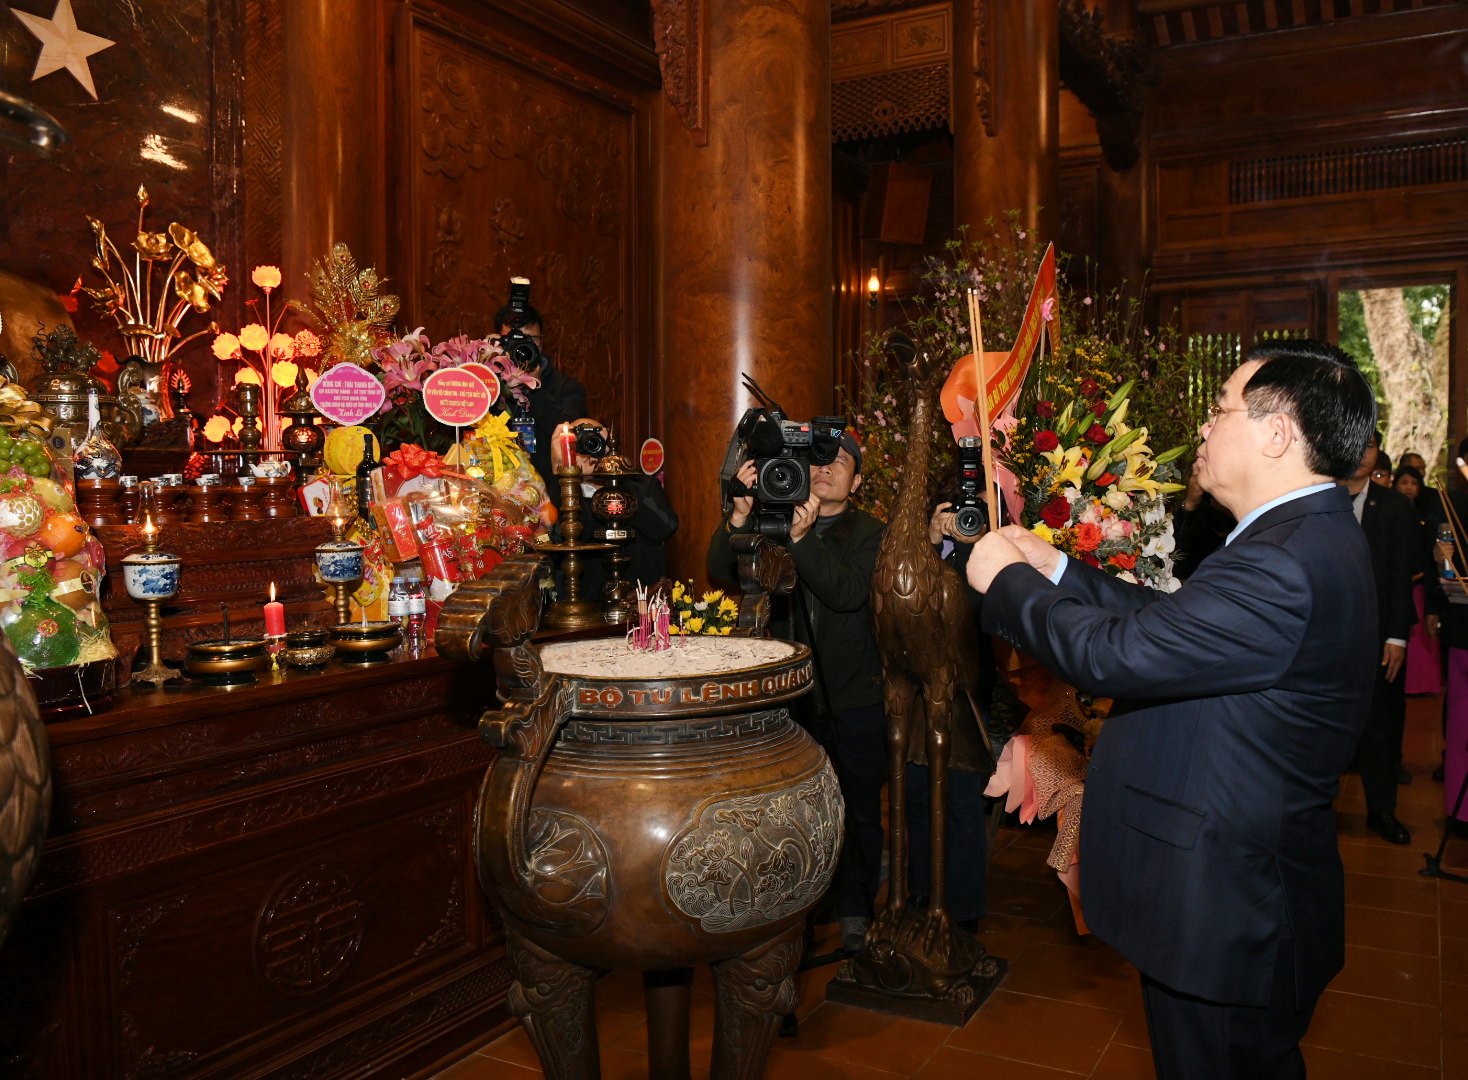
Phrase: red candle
(274, 616)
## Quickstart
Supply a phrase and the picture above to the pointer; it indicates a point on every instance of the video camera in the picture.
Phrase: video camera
(783, 451)
(522, 350)
(968, 512)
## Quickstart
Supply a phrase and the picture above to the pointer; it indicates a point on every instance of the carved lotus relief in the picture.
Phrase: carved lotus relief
(753, 860)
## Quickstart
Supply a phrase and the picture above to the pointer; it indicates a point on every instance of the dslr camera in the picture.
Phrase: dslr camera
(522, 350)
(783, 451)
(590, 442)
(968, 512)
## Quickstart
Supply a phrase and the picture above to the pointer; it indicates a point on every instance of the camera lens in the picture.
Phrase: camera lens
(968, 521)
(782, 480)
(589, 441)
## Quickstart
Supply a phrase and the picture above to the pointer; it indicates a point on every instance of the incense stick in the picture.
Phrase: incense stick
(981, 407)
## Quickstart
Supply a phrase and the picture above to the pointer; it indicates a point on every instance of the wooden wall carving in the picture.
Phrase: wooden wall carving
(513, 165)
(985, 62)
(678, 30)
(890, 73)
(263, 102)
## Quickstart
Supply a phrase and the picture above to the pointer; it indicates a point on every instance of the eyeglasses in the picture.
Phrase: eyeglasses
(1216, 410)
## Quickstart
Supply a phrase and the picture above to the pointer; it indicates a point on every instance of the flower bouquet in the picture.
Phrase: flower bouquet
(404, 364)
(712, 613)
(1089, 484)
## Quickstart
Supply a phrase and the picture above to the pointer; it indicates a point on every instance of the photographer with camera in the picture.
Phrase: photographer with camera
(651, 523)
(559, 399)
(834, 547)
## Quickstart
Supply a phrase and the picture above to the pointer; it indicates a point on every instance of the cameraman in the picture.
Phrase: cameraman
(834, 546)
(559, 398)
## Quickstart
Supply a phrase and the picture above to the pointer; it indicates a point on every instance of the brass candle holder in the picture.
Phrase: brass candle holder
(151, 577)
(573, 612)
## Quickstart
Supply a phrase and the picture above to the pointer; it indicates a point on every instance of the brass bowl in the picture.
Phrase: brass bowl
(227, 663)
(313, 637)
(366, 643)
(308, 656)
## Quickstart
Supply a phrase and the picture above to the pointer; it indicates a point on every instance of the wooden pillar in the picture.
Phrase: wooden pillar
(1006, 112)
(333, 134)
(747, 224)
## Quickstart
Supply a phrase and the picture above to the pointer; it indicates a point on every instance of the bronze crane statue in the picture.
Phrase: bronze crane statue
(918, 962)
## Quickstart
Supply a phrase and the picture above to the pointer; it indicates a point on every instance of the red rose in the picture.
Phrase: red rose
(1089, 387)
(1045, 409)
(1106, 479)
(1046, 440)
(1088, 536)
(1089, 559)
(1056, 512)
(1099, 408)
(1097, 434)
(1123, 561)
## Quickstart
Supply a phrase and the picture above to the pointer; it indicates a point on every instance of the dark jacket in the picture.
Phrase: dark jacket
(1395, 538)
(559, 399)
(1209, 833)
(835, 575)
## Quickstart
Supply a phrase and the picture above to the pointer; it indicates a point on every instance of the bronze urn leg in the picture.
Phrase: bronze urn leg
(753, 992)
(669, 996)
(556, 1001)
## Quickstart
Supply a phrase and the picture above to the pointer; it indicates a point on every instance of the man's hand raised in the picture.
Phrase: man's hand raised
(991, 554)
(1037, 553)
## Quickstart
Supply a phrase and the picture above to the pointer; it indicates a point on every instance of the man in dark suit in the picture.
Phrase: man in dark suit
(1397, 552)
(1208, 853)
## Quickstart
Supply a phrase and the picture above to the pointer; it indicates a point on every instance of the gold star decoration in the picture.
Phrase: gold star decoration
(63, 45)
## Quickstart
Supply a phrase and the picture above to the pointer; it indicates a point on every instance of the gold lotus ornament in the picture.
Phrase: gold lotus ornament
(149, 295)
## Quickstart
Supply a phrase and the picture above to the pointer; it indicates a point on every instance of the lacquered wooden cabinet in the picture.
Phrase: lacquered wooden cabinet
(275, 880)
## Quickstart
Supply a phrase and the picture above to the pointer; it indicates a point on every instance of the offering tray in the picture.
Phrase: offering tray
(366, 642)
(232, 662)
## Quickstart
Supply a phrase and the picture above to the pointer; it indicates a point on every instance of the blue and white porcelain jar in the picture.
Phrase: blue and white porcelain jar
(339, 561)
(150, 575)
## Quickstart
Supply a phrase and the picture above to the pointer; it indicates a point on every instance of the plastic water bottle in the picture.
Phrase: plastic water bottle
(417, 605)
(397, 603)
(1445, 536)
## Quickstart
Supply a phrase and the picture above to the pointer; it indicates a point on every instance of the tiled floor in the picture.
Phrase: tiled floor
(1071, 1007)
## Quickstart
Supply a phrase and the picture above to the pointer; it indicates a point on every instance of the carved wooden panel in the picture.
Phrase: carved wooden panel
(311, 926)
(264, 77)
(277, 880)
(513, 165)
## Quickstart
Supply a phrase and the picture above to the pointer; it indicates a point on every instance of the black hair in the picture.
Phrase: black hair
(1323, 391)
(1408, 470)
(1383, 461)
(505, 316)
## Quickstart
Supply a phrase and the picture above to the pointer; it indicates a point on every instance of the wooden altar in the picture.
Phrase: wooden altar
(267, 880)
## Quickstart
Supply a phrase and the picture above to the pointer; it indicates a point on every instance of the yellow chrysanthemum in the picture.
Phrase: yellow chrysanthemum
(728, 606)
(679, 592)
(713, 596)
(694, 625)
(1043, 531)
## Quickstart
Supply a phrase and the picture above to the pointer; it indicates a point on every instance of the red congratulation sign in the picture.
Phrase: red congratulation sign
(347, 395)
(455, 397)
(486, 376)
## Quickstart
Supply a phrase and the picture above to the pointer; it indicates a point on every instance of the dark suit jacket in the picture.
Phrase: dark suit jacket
(1208, 833)
(1395, 538)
